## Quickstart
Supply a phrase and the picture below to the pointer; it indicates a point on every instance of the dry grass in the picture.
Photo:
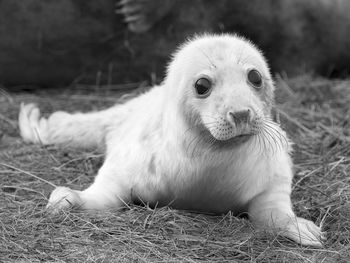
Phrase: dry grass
(315, 111)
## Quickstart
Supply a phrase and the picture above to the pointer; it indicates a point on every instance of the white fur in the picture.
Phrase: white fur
(168, 146)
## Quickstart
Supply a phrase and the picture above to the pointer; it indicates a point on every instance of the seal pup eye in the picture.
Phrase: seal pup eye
(202, 87)
(254, 77)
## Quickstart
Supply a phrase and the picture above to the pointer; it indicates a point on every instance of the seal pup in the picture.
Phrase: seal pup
(204, 140)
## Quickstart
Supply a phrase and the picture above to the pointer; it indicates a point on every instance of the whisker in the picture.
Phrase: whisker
(271, 149)
(195, 141)
(240, 55)
(275, 128)
(192, 142)
(260, 150)
(273, 140)
(261, 145)
(209, 116)
(263, 139)
(282, 139)
(208, 58)
(255, 144)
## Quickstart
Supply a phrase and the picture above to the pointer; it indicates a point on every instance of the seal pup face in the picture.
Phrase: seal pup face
(223, 86)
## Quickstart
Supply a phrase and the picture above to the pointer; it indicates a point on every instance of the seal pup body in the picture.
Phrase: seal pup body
(203, 140)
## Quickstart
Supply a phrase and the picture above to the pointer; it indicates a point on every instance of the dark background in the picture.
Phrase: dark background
(62, 42)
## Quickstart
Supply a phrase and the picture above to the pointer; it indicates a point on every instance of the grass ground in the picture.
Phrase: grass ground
(316, 114)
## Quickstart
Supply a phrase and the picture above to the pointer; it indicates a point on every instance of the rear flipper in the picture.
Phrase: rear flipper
(85, 130)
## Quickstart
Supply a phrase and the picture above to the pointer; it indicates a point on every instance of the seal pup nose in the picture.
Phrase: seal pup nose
(239, 117)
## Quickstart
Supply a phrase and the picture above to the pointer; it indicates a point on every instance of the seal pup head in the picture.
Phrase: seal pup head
(223, 87)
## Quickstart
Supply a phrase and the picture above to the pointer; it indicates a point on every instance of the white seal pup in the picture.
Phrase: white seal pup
(203, 140)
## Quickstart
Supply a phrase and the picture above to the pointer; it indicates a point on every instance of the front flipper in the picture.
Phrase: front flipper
(304, 232)
(272, 210)
(63, 198)
(108, 191)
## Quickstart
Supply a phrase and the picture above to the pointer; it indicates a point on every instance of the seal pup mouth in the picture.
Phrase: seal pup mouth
(232, 129)
(234, 141)
(217, 138)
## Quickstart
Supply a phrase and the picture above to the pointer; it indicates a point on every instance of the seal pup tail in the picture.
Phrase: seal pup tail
(83, 130)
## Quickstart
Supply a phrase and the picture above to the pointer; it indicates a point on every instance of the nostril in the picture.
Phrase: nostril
(240, 116)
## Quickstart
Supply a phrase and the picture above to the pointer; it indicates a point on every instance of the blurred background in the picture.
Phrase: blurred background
(57, 43)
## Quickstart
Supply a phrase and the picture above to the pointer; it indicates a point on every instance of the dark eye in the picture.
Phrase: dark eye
(202, 86)
(254, 77)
